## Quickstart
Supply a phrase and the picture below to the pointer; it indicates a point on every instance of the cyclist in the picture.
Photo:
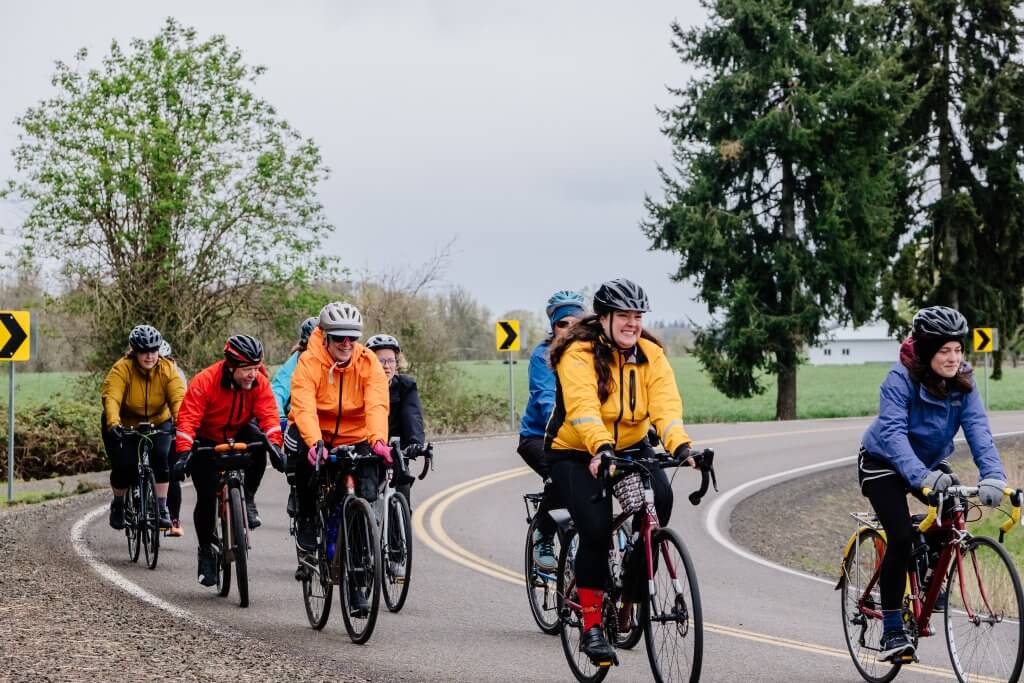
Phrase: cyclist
(173, 486)
(140, 387)
(339, 397)
(614, 382)
(924, 400)
(231, 399)
(405, 413)
(282, 382)
(563, 309)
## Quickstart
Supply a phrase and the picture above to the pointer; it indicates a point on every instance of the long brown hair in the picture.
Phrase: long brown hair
(921, 372)
(589, 330)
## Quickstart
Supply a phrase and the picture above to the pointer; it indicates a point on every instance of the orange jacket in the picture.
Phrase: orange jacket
(321, 390)
(215, 413)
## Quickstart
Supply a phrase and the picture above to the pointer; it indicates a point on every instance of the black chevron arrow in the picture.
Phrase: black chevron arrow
(985, 340)
(18, 336)
(510, 335)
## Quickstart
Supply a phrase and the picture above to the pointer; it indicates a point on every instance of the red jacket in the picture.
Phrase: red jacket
(212, 412)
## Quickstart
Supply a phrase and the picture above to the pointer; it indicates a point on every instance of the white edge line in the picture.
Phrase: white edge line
(712, 525)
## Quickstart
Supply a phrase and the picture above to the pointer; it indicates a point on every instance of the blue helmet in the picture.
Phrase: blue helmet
(306, 329)
(562, 299)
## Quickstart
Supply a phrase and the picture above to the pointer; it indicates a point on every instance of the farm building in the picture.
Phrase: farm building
(853, 346)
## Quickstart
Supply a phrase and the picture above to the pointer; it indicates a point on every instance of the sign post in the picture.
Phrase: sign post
(986, 340)
(507, 339)
(14, 347)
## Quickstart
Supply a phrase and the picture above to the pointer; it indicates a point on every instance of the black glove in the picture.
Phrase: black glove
(413, 450)
(117, 431)
(182, 466)
(682, 452)
(276, 457)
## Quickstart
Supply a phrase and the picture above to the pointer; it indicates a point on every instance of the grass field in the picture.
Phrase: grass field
(822, 391)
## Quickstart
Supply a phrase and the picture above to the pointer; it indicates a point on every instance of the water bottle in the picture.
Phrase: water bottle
(332, 534)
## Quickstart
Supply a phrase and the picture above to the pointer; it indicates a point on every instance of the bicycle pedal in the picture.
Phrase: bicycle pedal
(400, 580)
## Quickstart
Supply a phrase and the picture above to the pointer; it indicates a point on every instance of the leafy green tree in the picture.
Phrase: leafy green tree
(170, 192)
(780, 203)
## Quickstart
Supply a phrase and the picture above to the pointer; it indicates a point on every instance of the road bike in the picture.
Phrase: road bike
(670, 613)
(973, 575)
(141, 515)
(347, 552)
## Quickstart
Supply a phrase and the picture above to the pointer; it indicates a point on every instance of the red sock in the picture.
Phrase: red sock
(590, 604)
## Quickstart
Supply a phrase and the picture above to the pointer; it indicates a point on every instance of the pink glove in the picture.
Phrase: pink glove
(382, 449)
(311, 456)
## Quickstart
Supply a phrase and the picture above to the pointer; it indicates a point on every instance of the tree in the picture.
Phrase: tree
(780, 201)
(169, 191)
(963, 227)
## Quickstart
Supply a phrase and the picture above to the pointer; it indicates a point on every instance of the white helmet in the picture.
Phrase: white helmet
(165, 349)
(383, 341)
(341, 319)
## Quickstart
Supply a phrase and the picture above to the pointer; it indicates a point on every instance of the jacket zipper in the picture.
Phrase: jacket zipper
(632, 394)
(622, 402)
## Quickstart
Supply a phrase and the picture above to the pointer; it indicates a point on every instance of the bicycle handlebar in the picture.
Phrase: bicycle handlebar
(936, 500)
(141, 429)
(703, 461)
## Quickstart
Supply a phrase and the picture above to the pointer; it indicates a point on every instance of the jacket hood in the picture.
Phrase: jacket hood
(907, 355)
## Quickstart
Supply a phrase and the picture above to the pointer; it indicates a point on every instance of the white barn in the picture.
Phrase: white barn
(853, 346)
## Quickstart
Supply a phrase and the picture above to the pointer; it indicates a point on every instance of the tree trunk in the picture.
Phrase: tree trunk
(786, 358)
(785, 402)
(997, 365)
(949, 255)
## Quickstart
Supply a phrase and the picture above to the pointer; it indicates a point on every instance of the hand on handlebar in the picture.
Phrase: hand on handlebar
(181, 467)
(991, 491)
(598, 460)
(383, 450)
(117, 431)
(685, 455)
(938, 481)
(276, 456)
(315, 450)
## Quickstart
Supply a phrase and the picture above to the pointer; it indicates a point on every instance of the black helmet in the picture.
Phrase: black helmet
(383, 341)
(242, 350)
(939, 322)
(306, 329)
(144, 338)
(620, 295)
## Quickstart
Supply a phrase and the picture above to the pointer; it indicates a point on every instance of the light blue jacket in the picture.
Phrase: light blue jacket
(282, 385)
(542, 393)
(914, 430)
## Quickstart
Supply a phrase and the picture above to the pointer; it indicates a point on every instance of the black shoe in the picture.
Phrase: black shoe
(207, 565)
(595, 646)
(305, 535)
(117, 513)
(253, 514)
(293, 506)
(896, 646)
(358, 605)
(165, 518)
(940, 601)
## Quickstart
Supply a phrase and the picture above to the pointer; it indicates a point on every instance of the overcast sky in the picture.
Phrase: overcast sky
(526, 130)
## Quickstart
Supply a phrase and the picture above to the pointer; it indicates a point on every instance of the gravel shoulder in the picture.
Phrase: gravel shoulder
(59, 621)
(804, 523)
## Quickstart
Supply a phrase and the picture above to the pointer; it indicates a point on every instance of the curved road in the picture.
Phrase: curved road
(466, 618)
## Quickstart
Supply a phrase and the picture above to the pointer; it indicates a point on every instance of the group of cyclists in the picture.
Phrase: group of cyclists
(598, 384)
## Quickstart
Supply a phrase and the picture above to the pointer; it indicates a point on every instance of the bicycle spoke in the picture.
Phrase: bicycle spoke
(673, 624)
(862, 604)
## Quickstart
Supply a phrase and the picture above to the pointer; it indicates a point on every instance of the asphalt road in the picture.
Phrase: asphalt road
(467, 618)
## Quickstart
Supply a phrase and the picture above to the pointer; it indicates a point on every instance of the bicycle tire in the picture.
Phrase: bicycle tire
(570, 626)
(238, 546)
(863, 632)
(358, 541)
(317, 587)
(680, 619)
(223, 556)
(541, 587)
(150, 521)
(131, 530)
(396, 589)
(994, 597)
(629, 639)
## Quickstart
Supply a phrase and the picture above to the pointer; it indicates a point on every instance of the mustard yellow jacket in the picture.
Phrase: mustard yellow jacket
(132, 395)
(644, 392)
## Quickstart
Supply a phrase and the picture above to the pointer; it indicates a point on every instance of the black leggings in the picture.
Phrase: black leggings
(124, 456)
(593, 518)
(367, 474)
(531, 449)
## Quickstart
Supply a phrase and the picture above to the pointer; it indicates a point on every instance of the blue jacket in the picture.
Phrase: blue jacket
(282, 385)
(914, 430)
(542, 393)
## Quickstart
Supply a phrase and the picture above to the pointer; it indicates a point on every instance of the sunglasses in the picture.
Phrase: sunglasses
(342, 340)
(562, 324)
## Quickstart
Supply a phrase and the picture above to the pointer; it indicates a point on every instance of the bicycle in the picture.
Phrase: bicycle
(983, 597)
(670, 615)
(141, 516)
(233, 542)
(394, 520)
(346, 554)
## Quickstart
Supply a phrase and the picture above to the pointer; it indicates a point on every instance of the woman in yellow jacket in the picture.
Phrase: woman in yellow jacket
(140, 387)
(339, 398)
(614, 383)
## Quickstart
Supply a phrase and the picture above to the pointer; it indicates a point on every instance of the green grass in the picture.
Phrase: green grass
(822, 391)
(32, 497)
(39, 387)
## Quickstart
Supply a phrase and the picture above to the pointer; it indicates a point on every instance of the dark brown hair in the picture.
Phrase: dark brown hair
(590, 330)
(921, 372)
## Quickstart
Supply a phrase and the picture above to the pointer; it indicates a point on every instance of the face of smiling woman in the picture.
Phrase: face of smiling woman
(947, 360)
(623, 327)
(340, 348)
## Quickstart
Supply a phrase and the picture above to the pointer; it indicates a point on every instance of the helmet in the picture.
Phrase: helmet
(620, 295)
(340, 319)
(242, 350)
(306, 329)
(144, 338)
(939, 322)
(165, 349)
(383, 341)
(561, 298)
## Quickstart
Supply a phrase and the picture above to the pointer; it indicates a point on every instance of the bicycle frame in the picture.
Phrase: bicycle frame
(231, 479)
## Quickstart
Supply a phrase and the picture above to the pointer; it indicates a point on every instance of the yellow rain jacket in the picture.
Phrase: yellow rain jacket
(132, 395)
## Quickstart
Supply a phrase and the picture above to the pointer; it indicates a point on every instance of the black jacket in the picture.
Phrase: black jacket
(405, 419)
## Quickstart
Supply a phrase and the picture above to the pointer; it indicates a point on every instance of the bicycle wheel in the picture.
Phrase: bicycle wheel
(361, 570)
(317, 588)
(131, 523)
(150, 521)
(671, 617)
(541, 586)
(862, 608)
(396, 552)
(238, 546)
(570, 625)
(224, 556)
(984, 630)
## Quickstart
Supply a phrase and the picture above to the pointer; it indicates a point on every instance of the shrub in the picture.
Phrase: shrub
(59, 437)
